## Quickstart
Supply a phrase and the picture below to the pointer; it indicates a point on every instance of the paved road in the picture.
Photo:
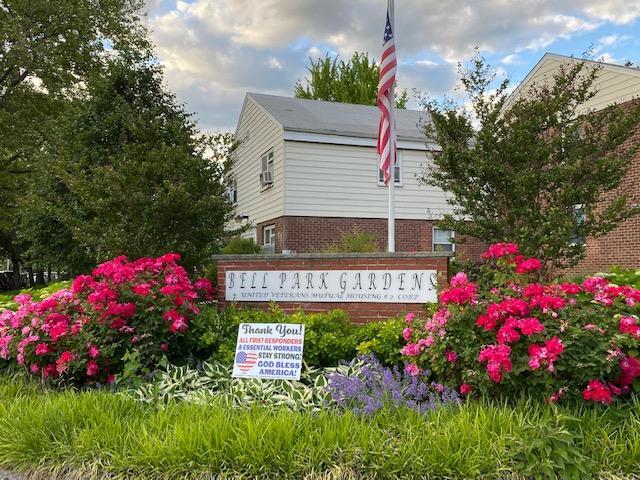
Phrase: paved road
(4, 475)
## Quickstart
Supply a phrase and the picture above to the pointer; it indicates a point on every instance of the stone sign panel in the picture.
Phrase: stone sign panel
(367, 286)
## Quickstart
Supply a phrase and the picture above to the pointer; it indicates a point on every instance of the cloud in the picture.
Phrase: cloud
(610, 40)
(608, 58)
(216, 50)
(616, 11)
(433, 78)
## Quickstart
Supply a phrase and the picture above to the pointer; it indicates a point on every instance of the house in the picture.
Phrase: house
(306, 173)
(615, 84)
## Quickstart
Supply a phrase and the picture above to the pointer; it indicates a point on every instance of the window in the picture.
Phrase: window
(581, 217)
(266, 176)
(269, 235)
(397, 174)
(232, 190)
(443, 240)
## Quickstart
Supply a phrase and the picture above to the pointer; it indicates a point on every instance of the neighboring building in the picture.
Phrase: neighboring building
(620, 85)
(306, 173)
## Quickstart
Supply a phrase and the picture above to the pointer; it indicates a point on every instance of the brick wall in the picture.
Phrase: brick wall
(309, 234)
(359, 312)
(621, 246)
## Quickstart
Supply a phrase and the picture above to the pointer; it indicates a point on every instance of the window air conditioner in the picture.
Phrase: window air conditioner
(267, 178)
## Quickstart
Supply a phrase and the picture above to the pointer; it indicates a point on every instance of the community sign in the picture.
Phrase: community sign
(269, 351)
(382, 286)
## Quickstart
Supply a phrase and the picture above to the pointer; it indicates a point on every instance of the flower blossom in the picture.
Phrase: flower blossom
(93, 351)
(508, 333)
(462, 294)
(594, 328)
(498, 250)
(530, 326)
(92, 368)
(629, 325)
(63, 362)
(558, 395)
(450, 356)
(533, 290)
(412, 369)
(465, 389)
(498, 360)
(597, 391)
(22, 299)
(528, 265)
(545, 354)
(570, 288)
(142, 289)
(411, 350)
(406, 333)
(629, 371)
(460, 279)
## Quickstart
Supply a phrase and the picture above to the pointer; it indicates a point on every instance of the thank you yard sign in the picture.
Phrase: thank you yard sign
(269, 350)
(377, 286)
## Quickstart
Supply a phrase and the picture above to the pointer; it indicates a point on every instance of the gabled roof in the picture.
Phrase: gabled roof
(615, 84)
(340, 119)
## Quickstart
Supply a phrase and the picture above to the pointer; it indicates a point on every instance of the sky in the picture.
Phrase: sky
(214, 51)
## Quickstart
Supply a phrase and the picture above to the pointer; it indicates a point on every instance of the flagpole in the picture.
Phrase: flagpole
(391, 221)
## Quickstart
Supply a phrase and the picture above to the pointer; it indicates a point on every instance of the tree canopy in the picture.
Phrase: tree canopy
(96, 157)
(533, 172)
(130, 175)
(353, 81)
(47, 50)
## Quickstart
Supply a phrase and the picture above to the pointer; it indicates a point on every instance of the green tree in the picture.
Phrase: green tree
(129, 175)
(532, 171)
(353, 81)
(47, 49)
(58, 43)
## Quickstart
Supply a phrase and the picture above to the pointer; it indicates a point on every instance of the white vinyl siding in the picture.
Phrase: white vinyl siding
(340, 181)
(614, 84)
(258, 134)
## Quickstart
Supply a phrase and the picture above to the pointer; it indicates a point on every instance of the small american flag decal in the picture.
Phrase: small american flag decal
(245, 361)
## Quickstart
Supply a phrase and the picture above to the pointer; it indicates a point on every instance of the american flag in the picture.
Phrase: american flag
(387, 128)
(245, 361)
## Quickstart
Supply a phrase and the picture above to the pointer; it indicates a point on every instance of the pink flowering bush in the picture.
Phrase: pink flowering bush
(508, 333)
(82, 333)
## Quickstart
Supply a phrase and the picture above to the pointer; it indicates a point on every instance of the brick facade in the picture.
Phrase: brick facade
(621, 246)
(358, 312)
(315, 234)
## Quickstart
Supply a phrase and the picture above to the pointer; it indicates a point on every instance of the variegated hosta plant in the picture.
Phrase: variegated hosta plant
(213, 383)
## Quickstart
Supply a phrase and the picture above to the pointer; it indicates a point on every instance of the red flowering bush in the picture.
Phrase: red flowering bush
(507, 334)
(82, 333)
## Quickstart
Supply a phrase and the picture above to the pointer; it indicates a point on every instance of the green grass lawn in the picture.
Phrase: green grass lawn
(105, 435)
(38, 293)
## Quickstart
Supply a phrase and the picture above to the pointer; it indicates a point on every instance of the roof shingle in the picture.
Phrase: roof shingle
(342, 119)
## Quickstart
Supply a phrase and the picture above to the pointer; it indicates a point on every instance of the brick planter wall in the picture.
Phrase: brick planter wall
(358, 312)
